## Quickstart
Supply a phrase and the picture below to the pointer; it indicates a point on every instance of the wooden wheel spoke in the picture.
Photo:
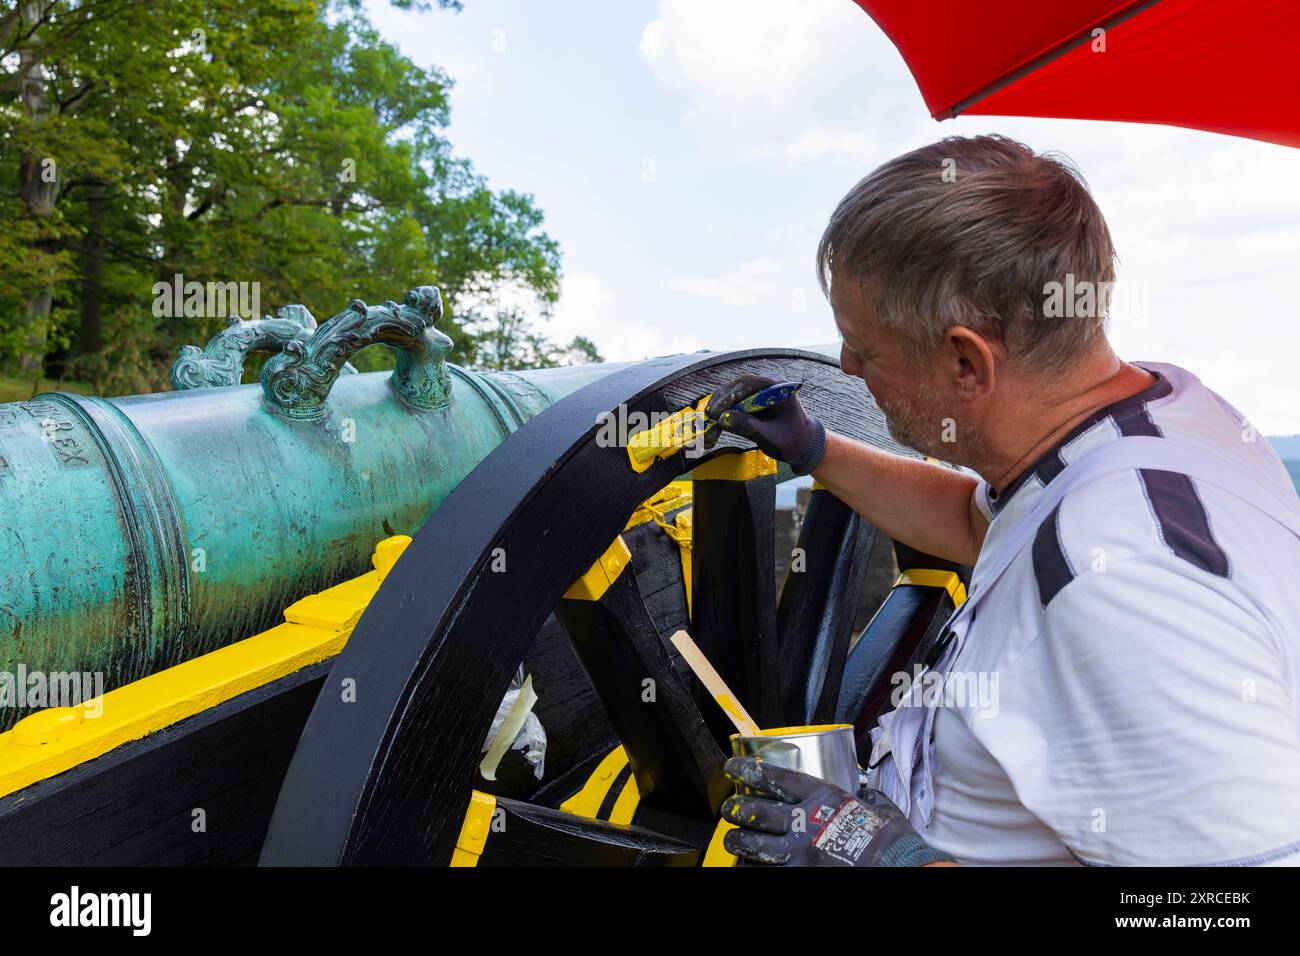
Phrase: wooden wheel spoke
(525, 834)
(733, 617)
(819, 602)
(904, 632)
(676, 763)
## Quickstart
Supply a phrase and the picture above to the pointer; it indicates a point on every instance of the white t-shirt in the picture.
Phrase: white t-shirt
(1141, 663)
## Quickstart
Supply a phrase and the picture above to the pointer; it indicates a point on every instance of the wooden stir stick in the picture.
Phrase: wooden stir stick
(715, 685)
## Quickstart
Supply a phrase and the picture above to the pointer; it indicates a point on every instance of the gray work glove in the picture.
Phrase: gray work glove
(793, 819)
(786, 432)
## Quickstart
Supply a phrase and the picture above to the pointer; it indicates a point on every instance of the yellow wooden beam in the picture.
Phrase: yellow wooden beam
(738, 467)
(588, 801)
(931, 578)
(475, 829)
(59, 738)
(597, 579)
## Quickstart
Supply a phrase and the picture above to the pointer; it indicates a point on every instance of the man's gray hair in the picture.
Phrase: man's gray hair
(981, 232)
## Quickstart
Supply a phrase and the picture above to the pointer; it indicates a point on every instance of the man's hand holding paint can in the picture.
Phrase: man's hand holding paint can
(795, 805)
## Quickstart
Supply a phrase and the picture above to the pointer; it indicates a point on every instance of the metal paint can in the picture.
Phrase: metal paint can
(827, 752)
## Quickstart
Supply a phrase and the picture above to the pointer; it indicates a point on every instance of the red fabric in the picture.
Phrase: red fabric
(1223, 65)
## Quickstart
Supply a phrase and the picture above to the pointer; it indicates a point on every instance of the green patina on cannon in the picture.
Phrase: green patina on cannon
(144, 531)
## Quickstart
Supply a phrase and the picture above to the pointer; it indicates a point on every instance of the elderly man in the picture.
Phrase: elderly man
(1143, 629)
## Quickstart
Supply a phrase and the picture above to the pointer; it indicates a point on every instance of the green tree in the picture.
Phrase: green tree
(277, 142)
(507, 339)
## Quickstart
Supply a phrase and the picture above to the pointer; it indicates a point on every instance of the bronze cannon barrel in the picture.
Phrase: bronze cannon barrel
(139, 532)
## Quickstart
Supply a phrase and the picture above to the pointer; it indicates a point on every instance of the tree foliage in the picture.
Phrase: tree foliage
(281, 142)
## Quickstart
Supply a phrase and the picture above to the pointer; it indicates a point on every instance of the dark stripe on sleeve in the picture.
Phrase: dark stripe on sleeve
(1051, 569)
(1179, 512)
(1184, 525)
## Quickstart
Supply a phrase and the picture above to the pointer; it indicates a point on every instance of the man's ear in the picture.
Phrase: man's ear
(973, 361)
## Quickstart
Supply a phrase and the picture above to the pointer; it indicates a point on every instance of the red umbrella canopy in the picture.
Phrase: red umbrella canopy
(1229, 66)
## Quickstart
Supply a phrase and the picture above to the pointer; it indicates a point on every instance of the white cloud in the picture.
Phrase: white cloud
(1210, 225)
(793, 79)
(769, 300)
(587, 307)
(757, 283)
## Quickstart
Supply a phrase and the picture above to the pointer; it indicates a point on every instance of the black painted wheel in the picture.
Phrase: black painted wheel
(385, 778)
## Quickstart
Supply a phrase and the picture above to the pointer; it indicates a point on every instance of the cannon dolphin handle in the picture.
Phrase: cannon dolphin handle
(221, 361)
(297, 382)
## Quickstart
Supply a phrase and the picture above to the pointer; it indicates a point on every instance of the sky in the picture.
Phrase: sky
(687, 154)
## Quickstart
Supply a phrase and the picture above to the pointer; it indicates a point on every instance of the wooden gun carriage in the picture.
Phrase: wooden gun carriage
(353, 732)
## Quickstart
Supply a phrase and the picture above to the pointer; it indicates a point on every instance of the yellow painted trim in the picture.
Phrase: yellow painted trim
(625, 805)
(386, 554)
(475, 830)
(686, 545)
(716, 854)
(930, 578)
(739, 467)
(674, 495)
(315, 628)
(597, 579)
(587, 801)
(671, 435)
(792, 731)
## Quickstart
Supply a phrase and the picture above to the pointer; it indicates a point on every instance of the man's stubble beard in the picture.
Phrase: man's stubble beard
(923, 424)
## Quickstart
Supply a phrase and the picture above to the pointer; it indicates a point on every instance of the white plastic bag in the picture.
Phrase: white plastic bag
(515, 727)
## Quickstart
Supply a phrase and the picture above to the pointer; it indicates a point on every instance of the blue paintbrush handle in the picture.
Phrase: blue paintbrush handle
(769, 397)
